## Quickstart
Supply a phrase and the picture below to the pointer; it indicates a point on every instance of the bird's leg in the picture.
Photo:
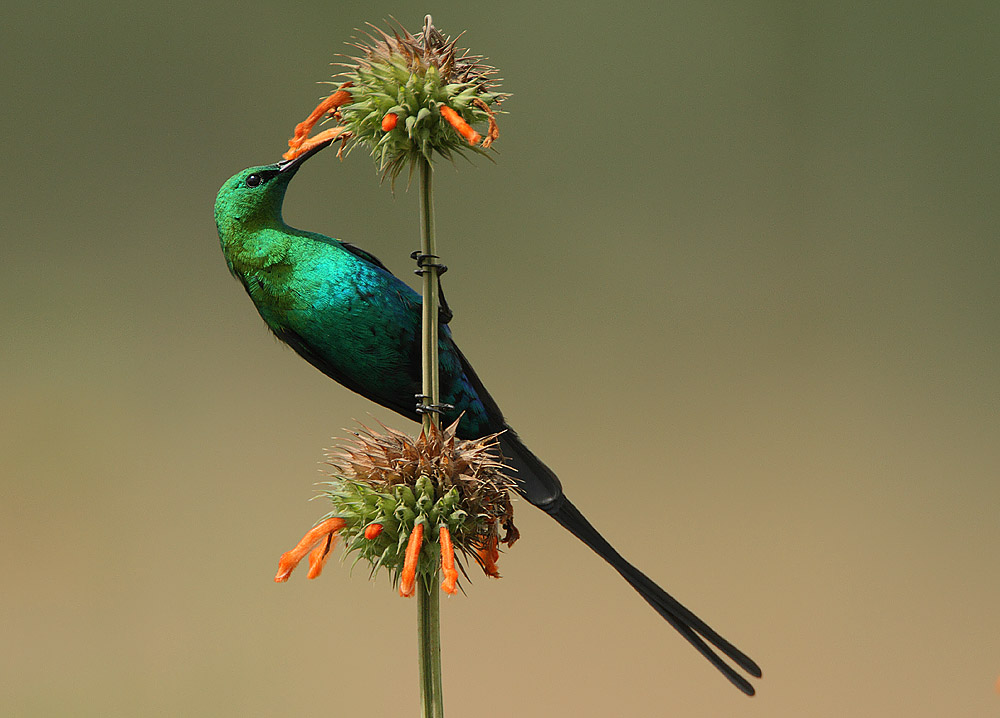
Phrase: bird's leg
(445, 314)
(444, 311)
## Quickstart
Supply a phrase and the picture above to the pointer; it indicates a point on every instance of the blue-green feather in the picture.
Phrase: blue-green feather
(346, 314)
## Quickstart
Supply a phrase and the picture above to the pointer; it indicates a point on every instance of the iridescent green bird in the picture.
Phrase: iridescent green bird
(347, 315)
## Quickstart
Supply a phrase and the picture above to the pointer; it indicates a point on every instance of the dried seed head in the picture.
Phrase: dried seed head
(437, 480)
(415, 77)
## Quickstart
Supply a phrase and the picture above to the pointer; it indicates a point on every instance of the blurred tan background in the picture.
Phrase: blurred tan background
(734, 276)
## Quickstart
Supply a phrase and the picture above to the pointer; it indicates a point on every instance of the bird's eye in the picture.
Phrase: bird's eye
(254, 181)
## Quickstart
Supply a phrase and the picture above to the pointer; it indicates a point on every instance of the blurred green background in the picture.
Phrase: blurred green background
(734, 276)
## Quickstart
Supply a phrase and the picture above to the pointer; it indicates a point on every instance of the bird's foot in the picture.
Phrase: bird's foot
(445, 314)
(423, 408)
(423, 264)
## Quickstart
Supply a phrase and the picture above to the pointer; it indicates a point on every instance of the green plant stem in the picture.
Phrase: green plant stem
(429, 635)
(428, 246)
(428, 596)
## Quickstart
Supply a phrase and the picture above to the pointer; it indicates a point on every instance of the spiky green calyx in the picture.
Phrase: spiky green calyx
(413, 77)
(395, 481)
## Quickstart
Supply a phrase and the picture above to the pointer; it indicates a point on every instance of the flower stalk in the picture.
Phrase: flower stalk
(429, 640)
(429, 267)
(428, 602)
(401, 504)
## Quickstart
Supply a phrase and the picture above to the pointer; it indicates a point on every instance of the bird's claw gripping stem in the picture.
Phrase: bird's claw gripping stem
(423, 408)
(444, 313)
(423, 264)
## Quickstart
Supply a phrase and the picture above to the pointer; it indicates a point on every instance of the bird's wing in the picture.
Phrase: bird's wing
(492, 410)
(445, 311)
(302, 347)
(367, 256)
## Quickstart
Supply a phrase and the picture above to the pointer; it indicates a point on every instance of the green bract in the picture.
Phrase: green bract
(397, 482)
(398, 511)
(413, 77)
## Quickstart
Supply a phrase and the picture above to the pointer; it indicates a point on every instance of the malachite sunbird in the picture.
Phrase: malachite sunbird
(343, 311)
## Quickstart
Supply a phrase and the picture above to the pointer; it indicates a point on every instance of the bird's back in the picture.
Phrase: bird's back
(355, 321)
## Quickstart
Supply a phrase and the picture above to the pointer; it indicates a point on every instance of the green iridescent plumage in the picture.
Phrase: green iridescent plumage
(334, 303)
(345, 313)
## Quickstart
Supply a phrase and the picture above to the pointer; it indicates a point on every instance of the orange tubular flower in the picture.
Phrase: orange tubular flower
(318, 556)
(432, 86)
(300, 141)
(448, 562)
(392, 491)
(460, 125)
(493, 132)
(408, 578)
(325, 533)
(331, 134)
(488, 557)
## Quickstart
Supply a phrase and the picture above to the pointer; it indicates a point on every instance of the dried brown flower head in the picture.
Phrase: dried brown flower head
(406, 504)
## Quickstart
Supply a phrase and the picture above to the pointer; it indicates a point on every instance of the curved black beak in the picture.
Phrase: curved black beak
(292, 165)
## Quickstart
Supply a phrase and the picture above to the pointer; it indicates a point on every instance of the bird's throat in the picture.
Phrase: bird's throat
(259, 259)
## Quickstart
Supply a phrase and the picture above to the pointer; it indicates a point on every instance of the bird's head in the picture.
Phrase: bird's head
(253, 198)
